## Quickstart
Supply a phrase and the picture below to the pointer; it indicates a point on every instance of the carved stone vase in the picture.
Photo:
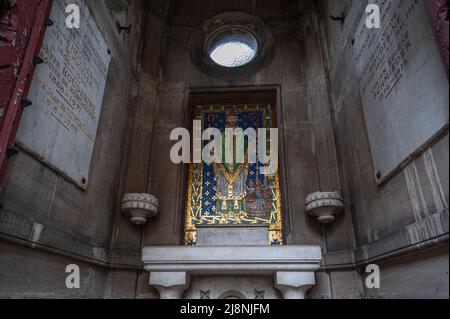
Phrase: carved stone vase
(324, 206)
(139, 207)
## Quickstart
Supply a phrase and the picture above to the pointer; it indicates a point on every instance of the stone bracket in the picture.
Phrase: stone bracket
(294, 285)
(170, 285)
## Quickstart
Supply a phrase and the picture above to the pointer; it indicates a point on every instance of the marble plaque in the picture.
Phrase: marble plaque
(60, 127)
(232, 235)
(404, 87)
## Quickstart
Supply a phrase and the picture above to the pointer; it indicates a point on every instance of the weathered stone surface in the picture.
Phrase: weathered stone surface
(244, 287)
(382, 215)
(67, 92)
(324, 146)
(404, 88)
(293, 267)
(77, 224)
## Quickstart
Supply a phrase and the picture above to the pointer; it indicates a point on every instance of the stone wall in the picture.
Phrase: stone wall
(298, 76)
(46, 222)
(409, 212)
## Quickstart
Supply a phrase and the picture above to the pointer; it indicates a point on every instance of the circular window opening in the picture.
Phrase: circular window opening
(232, 48)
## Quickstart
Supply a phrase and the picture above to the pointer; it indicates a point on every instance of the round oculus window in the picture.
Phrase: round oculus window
(232, 48)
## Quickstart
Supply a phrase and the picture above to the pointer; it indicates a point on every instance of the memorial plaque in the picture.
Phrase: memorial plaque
(67, 92)
(404, 87)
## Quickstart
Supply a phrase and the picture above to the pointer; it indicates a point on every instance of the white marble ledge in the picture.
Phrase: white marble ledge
(293, 267)
(232, 259)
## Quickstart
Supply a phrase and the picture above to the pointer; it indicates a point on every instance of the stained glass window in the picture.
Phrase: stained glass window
(236, 194)
(233, 48)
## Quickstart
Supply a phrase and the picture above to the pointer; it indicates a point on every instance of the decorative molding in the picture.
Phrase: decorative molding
(52, 241)
(205, 294)
(232, 294)
(260, 294)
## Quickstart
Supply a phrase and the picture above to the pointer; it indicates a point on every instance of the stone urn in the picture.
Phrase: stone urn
(139, 207)
(324, 206)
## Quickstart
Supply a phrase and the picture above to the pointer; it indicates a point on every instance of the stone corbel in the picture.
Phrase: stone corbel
(324, 206)
(294, 285)
(170, 285)
(139, 207)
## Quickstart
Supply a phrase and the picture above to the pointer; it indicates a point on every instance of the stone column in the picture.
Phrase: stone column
(170, 285)
(294, 285)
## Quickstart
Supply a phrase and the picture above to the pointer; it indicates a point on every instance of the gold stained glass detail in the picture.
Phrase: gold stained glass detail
(213, 196)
